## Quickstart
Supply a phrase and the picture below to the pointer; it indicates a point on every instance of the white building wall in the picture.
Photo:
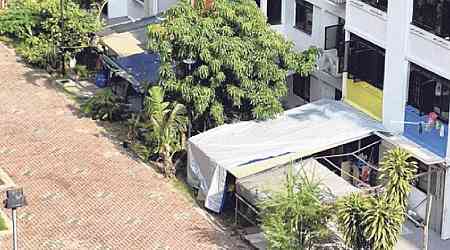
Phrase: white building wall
(429, 51)
(137, 9)
(117, 8)
(366, 22)
(324, 14)
(165, 4)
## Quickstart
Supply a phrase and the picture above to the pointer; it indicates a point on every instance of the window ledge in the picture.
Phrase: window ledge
(302, 30)
(369, 9)
(444, 43)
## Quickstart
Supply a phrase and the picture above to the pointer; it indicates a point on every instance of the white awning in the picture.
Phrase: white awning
(422, 154)
(247, 148)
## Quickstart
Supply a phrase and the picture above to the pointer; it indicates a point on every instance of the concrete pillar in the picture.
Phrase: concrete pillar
(395, 92)
(345, 73)
(264, 7)
(117, 8)
(150, 7)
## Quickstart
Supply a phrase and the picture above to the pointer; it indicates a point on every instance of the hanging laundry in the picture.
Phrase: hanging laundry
(431, 120)
(365, 174)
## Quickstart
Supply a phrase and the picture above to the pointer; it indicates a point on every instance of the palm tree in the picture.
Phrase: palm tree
(167, 125)
(399, 172)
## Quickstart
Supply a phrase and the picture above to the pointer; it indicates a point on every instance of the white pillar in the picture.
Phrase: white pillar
(345, 73)
(117, 8)
(150, 7)
(263, 7)
(396, 66)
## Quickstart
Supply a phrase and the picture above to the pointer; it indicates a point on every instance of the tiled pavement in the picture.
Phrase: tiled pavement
(83, 191)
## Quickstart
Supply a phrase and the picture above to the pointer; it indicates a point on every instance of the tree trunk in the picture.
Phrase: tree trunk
(168, 166)
(208, 4)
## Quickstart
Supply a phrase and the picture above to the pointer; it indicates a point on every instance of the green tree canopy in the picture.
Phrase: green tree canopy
(35, 25)
(240, 63)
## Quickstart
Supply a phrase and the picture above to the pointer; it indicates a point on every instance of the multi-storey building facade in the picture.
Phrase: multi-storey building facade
(396, 69)
(398, 58)
(316, 23)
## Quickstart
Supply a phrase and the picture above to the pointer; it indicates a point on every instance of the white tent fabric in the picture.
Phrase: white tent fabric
(305, 130)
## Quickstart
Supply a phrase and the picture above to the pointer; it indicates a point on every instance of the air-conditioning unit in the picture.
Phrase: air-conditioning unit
(329, 63)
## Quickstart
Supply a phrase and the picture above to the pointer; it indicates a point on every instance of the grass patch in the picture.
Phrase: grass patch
(180, 184)
(11, 43)
(3, 225)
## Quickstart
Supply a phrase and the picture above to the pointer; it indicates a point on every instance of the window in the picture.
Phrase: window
(433, 16)
(429, 92)
(301, 86)
(274, 12)
(379, 4)
(304, 16)
(366, 61)
(334, 37)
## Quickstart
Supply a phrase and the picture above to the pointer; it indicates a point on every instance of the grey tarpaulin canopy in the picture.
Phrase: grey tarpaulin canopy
(259, 186)
(246, 148)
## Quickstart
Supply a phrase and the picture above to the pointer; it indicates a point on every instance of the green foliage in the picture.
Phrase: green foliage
(295, 218)
(383, 221)
(3, 225)
(103, 106)
(368, 222)
(399, 173)
(166, 124)
(350, 218)
(141, 150)
(35, 24)
(81, 71)
(375, 223)
(240, 63)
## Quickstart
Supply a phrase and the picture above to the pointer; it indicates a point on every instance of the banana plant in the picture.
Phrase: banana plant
(166, 123)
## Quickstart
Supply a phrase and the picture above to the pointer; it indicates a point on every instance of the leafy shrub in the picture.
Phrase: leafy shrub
(296, 217)
(35, 24)
(103, 106)
(374, 223)
(37, 50)
(81, 71)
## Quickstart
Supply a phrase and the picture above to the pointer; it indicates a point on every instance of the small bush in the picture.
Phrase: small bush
(36, 26)
(103, 106)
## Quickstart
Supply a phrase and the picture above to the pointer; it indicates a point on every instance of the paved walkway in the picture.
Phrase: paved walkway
(83, 191)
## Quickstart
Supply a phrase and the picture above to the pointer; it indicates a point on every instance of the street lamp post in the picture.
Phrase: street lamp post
(14, 200)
